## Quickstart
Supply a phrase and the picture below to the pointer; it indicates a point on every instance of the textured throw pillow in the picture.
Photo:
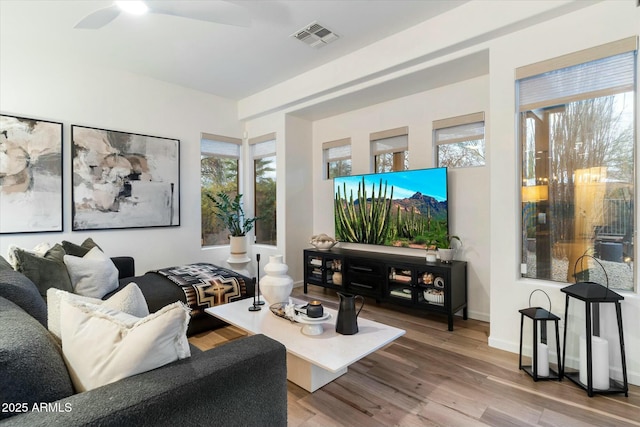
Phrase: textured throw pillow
(101, 345)
(17, 288)
(79, 250)
(94, 275)
(128, 300)
(48, 271)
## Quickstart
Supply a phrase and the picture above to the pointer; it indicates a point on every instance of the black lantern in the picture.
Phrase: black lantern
(593, 373)
(540, 368)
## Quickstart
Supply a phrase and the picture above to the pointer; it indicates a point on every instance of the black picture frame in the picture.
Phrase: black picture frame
(31, 175)
(123, 180)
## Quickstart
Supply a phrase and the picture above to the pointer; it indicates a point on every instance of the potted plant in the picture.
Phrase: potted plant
(440, 239)
(231, 213)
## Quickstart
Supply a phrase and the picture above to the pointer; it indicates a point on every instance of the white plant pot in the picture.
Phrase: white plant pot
(276, 285)
(238, 250)
(446, 255)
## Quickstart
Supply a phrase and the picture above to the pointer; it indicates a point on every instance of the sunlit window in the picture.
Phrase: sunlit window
(390, 150)
(459, 141)
(219, 159)
(577, 131)
(264, 168)
(337, 158)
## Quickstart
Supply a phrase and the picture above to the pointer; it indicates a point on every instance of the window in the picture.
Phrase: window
(576, 133)
(337, 158)
(390, 149)
(264, 172)
(459, 141)
(219, 158)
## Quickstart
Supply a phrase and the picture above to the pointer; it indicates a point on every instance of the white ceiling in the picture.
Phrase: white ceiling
(229, 61)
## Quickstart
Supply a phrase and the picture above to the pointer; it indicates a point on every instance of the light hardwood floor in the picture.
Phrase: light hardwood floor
(433, 377)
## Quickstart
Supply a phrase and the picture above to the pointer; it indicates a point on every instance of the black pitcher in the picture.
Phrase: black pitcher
(347, 322)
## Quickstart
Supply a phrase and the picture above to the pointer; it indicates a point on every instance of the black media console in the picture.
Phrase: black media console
(397, 279)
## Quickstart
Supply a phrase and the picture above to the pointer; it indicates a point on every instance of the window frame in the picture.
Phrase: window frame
(398, 145)
(267, 147)
(330, 147)
(453, 123)
(220, 141)
(559, 98)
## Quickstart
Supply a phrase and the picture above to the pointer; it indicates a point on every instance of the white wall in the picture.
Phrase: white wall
(598, 24)
(468, 187)
(56, 89)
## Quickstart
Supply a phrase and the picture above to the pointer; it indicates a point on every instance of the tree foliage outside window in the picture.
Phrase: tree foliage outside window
(265, 200)
(338, 168)
(459, 141)
(217, 174)
(582, 155)
(462, 154)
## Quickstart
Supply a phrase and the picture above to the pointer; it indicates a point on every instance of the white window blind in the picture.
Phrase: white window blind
(337, 150)
(219, 149)
(460, 133)
(390, 145)
(600, 76)
(264, 149)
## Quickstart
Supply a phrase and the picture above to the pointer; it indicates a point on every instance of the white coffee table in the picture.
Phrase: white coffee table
(312, 361)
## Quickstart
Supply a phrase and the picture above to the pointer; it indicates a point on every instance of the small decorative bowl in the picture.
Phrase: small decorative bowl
(324, 246)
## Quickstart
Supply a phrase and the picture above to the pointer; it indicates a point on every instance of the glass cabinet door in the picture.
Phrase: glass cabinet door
(400, 283)
(431, 288)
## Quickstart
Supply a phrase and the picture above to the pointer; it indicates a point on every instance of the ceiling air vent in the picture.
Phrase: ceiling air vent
(315, 35)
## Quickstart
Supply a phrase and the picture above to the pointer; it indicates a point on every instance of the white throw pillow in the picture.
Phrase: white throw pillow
(101, 345)
(129, 300)
(94, 275)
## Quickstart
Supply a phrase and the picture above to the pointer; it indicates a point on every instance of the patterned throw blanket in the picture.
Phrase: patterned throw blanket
(206, 285)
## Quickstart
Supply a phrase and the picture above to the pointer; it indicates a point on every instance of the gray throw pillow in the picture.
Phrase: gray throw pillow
(31, 364)
(79, 250)
(17, 288)
(48, 271)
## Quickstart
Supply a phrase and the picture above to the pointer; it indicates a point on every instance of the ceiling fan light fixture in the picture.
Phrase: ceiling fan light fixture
(133, 7)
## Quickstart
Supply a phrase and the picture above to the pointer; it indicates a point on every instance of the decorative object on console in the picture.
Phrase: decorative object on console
(31, 170)
(347, 322)
(124, 180)
(440, 239)
(336, 276)
(539, 368)
(323, 242)
(276, 284)
(593, 352)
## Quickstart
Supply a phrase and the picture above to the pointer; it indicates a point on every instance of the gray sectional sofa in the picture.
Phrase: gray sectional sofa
(242, 383)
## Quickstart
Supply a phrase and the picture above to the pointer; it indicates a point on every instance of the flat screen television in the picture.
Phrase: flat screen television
(393, 208)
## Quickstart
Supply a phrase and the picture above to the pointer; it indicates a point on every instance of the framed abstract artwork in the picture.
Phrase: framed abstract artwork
(124, 180)
(30, 175)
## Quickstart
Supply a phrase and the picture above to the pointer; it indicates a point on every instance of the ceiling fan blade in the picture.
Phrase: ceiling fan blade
(220, 12)
(99, 18)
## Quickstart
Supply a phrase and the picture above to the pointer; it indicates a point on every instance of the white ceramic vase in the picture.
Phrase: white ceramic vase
(276, 285)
